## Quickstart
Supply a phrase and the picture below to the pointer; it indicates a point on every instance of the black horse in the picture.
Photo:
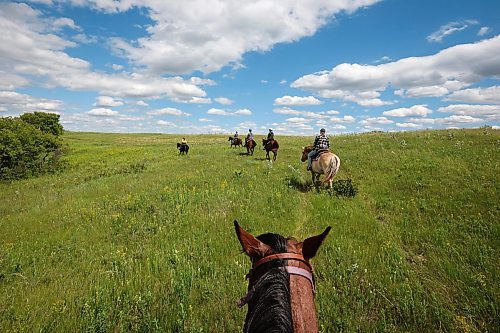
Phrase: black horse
(183, 148)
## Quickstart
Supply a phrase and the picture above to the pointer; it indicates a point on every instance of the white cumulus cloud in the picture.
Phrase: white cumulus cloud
(177, 45)
(455, 120)
(490, 112)
(476, 95)
(408, 125)
(224, 100)
(15, 102)
(344, 119)
(376, 120)
(103, 112)
(447, 71)
(483, 31)
(416, 110)
(221, 112)
(168, 111)
(107, 101)
(243, 112)
(30, 50)
(165, 123)
(218, 112)
(297, 100)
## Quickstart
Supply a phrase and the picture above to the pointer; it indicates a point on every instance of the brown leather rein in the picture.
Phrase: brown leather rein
(293, 270)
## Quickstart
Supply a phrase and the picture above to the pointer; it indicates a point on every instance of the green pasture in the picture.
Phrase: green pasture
(131, 237)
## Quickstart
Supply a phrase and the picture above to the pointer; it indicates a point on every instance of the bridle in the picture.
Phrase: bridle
(306, 272)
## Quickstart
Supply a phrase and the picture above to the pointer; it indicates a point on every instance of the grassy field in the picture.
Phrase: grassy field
(133, 238)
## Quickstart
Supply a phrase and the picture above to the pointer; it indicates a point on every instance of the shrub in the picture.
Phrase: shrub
(45, 122)
(25, 150)
(345, 187)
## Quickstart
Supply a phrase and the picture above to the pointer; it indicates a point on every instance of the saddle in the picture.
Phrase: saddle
(319, 153)
(252, 140)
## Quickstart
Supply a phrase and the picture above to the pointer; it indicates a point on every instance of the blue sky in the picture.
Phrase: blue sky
(216, 66)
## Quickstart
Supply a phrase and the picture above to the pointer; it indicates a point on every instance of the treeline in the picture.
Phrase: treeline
(29, 145)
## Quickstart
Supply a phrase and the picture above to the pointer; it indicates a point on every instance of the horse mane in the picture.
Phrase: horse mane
(269, 309)
(308, 149)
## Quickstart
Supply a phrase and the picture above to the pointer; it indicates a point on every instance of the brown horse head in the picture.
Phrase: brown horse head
(306, 150)
(281, 285)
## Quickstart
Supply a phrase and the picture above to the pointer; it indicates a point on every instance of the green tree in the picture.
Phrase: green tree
(45, 122)
(25, 150)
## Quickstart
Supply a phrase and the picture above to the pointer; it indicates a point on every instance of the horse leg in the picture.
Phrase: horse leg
(275, 154)
(315, 180)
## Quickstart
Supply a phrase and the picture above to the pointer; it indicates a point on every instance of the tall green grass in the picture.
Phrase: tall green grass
(132, 237)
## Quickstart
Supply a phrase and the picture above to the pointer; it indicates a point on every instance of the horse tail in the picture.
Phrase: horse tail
(333, 167)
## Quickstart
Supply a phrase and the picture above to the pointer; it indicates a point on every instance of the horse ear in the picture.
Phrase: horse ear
(251, 245)
(311, 245)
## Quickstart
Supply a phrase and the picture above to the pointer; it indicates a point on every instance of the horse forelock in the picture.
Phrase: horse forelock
(276, 241)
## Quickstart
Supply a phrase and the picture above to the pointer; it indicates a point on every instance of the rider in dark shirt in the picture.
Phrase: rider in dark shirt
(270, 135)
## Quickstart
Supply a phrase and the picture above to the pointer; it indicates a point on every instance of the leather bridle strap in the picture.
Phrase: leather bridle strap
(282, 256)
(293, 270)
(302, 272)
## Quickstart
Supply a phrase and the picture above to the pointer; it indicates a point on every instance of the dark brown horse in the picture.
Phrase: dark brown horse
(235, 141)
(281, 285)
(183, 148)
(270, 145)
(250, 145)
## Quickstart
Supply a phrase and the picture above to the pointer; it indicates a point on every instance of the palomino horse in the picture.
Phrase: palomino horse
(328, 164)
(270, 145)
(281, 285)
(183, 149)
(235, 142)
(250, 145)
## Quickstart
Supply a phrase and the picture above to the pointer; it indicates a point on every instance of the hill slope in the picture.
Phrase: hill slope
(132, 237)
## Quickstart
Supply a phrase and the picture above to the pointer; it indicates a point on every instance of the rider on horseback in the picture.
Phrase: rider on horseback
(270, 137)
(249, 136)
(235, 138)
(321, 142)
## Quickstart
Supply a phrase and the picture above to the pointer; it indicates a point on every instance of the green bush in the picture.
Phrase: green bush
(25, 150)
(345, 188)
(45, 122)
